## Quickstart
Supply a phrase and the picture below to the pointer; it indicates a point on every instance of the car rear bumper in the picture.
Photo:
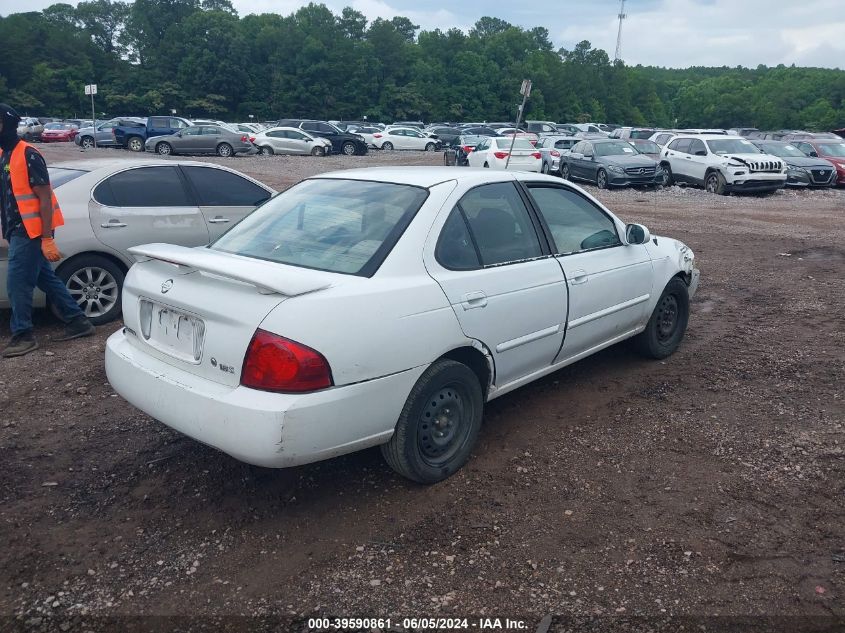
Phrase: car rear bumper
(266, 429)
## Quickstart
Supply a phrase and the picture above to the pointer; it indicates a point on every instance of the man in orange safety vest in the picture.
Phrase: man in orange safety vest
(30, 213)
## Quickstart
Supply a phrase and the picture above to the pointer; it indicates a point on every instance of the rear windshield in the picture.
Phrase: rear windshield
(342, 226)
(60, 175)
(518, 143)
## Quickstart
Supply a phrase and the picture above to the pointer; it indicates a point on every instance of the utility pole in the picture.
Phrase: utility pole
(525, 91)
(618, 56)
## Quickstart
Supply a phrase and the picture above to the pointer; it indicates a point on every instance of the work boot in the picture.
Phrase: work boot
(76, 328)
(20, 344)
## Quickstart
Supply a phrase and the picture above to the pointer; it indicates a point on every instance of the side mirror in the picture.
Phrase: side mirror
(814, 154)
(179, 134)
(636, 234)
(701, 152)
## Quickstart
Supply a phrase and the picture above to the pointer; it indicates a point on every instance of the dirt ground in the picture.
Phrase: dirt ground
(617, 494)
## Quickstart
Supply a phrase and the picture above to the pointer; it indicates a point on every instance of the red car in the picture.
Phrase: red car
(58, 132)
(834, 151)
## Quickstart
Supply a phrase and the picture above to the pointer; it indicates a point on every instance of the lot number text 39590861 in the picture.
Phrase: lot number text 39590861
(416, 624)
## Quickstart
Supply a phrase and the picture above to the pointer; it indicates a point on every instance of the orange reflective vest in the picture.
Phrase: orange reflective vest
(28, 203)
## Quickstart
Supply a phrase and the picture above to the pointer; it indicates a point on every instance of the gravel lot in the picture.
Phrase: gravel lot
(613, 494)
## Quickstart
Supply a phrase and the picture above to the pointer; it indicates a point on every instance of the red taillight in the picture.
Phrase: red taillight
(244, 138)
(536, 154)
(500, 154)
(554, 152)
(274, 363)
(252, 139)
(376, 135)
(468, 149)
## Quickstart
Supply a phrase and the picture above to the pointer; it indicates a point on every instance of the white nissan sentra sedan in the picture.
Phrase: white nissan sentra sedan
(385, 307)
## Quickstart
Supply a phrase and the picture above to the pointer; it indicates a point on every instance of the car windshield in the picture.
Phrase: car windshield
(518, 143)
(61, 175)
(342, 226)
(783, 151)
(615, 148)
(647, 147)
(832, 149)
(732, 146)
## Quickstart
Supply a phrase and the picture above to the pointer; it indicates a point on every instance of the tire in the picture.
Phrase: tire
(714, 182)
(165, 149)
(668, 322)
(348, 148)
(225, 150)
(668, 181)
(135, 144)
(266, 150)
(446, 400)
(564, 172)
(96, 284)
(317, 151)
(87, 142)
(601, 179)
(486, 166)
(387, 145)
(429, 147)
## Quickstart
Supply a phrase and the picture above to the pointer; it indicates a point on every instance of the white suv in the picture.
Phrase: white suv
(721, 164)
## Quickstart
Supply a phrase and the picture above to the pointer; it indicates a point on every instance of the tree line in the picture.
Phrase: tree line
(200, 58)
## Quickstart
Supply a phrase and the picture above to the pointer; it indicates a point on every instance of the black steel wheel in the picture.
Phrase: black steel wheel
(439, 424)
(668, 322)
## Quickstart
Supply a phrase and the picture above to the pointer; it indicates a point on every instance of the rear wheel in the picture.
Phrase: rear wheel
(95, 283)
(135, 144)
(387, 145)
(224, 150)
(668, 322)
(439, 424)
(265, 150)
(87, 142)
(164, 149)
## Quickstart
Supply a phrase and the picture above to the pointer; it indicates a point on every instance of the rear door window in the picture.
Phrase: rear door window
(221, 188)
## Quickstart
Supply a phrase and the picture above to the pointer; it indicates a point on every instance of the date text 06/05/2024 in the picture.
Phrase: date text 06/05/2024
(416, 624)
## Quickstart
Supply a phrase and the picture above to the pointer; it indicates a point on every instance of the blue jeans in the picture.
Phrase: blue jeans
(29, 268)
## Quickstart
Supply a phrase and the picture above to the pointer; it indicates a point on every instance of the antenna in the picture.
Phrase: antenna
(618, 56)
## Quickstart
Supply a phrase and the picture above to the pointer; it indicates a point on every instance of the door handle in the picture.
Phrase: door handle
(578, 277)
(219, 220)
(113, 224)
(474, 300)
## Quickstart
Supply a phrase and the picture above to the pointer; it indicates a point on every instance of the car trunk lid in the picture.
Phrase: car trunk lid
(197, 308)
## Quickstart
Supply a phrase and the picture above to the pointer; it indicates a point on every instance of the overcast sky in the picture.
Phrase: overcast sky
(675, 33)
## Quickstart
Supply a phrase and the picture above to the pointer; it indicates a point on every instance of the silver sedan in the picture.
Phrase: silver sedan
(202, 139)
(113, 204)
(291, 140)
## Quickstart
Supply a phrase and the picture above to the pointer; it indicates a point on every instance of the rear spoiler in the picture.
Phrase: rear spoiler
(268, 277)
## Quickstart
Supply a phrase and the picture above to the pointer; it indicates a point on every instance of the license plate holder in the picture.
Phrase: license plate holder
(175, 333)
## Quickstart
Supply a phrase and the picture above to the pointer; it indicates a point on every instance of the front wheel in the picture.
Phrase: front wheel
(348, 149)
(601, 179)
(439, 424)
(564, 172)
(668, 322)
(95, 283)
(715, 183)
(224, 150)
(667, 176)
(387, 145)
(164, 149)
(429, 147)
